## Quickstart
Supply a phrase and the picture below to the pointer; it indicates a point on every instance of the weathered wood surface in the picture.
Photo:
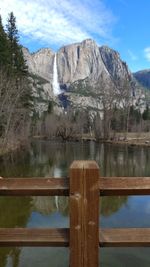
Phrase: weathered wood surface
(108, 186)
(112, 186)
(84, 236)
(34, 187)
(125, 237)
(84, 214)
(34, 237)
(122, 237)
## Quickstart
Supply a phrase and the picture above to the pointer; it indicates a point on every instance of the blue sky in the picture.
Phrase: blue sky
(121, 24)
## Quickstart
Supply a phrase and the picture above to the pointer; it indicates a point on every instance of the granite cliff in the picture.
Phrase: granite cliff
(85, 71)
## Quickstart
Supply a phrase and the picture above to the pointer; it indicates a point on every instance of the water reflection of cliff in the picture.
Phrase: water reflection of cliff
(110, 205)
(48, 205)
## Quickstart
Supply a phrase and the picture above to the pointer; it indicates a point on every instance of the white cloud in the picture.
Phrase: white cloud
(60, 21)
(132, 55)
(147, 53)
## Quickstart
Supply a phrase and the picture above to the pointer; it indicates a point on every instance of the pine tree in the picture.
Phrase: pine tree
(15, 89)
(146, 113)
(17, 61)
(4, 57)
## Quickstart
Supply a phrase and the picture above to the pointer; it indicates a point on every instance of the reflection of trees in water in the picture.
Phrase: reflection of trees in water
(14, 212)
(25, 164)
(53, 159)
(110, 205)
(62, 154)
(9, 257)
(124, 160)
(44, 157)
(47, 205)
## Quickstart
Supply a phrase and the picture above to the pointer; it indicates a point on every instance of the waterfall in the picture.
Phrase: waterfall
(56, 87)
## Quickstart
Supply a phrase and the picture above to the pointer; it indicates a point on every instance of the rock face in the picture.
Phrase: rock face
(86, 60)
(143, 77)
(40, 63)
(80, 61)
(117, 68)
(40, 66)
(83, 69)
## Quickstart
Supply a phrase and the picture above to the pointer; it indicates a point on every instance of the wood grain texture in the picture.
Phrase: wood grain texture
(122, 237)
(34, 187)
(108, 186)
(34, 237)
(125, 237)
(84, 214)
(84, 237)
(114, 186)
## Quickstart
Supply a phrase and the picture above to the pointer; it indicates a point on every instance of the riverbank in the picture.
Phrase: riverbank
(135, 139)
(140, 139)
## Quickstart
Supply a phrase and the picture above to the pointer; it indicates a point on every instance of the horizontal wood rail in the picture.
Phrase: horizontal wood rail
(84, 186)
(125, 237)
(34, 187)
(124, 186)
(108, 186)
(34, 237)
(115, 237)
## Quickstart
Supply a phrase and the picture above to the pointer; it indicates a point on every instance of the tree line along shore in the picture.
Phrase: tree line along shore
(19, 122)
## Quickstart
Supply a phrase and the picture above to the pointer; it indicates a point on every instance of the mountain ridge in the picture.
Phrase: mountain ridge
(84, 67)
(143, 77)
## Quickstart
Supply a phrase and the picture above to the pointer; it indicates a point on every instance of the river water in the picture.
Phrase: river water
(47, 159)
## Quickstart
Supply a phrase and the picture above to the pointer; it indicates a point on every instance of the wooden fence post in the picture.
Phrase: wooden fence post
(84, 214)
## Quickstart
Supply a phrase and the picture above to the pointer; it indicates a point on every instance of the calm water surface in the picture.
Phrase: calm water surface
(45, 159)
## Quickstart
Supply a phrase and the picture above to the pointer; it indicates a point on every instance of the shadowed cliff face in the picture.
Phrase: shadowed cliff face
(117, 68)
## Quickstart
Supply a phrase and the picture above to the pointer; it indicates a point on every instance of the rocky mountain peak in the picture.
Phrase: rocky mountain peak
(89, 42)
(43, 51)
(40, 63)
(79, 61)
(82, 70)
(117, 68)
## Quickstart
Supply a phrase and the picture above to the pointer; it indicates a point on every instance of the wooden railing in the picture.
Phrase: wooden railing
(84, 236)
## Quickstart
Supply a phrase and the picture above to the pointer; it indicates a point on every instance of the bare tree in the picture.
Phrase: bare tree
(106, 94)
(14, 117)
(66, 126)
(125, 99)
